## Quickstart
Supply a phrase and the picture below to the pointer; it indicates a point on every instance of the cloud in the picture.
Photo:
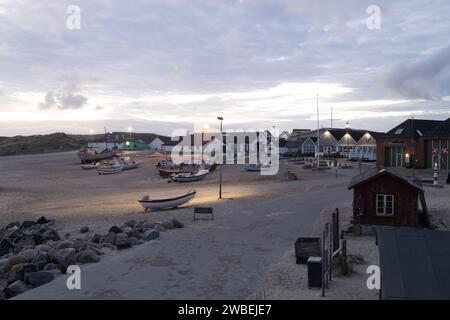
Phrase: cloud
(425, 78)
(67, 99)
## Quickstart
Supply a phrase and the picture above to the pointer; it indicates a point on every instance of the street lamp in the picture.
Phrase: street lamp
(220, 164)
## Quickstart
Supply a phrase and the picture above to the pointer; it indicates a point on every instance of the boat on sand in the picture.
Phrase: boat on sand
(255, 167)
(94, 154)
(147, 203)
(91, 166)
(190, 177)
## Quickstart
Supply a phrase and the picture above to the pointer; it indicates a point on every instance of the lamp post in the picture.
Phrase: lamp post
(220, 167)
(129, 130)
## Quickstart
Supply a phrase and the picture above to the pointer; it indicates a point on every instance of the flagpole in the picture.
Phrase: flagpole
(318, 133)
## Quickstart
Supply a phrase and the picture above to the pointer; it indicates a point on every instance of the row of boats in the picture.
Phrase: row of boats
(113, 166)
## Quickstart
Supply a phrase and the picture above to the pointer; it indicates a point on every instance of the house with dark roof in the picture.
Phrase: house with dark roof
(416, 143)
(348, 142)
(383, 197)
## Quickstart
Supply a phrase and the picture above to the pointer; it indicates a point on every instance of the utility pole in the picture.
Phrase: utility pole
(413, 144)
(318, 132)
(221, 164)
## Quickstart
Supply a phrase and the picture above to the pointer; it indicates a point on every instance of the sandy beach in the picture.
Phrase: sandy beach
(246, 252)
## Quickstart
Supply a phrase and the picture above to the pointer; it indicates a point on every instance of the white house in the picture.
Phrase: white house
(156, 144)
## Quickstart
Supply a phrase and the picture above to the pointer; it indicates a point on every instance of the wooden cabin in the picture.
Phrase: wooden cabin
(384, 197)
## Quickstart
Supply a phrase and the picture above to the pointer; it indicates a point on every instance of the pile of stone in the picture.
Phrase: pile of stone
(32, 253)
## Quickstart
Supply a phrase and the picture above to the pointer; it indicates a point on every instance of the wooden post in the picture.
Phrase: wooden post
(344, 257)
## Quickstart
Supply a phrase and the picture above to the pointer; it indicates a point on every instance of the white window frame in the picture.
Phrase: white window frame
(384, 207)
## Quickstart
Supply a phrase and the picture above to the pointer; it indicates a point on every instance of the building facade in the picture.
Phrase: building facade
(416, 143)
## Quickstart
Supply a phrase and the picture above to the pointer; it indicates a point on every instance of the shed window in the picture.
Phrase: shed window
(385, 204)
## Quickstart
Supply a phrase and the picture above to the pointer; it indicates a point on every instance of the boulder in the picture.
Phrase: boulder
(15, 289)
(36, 279)
(88, 256)
(40, 260)
(19, 271)
(84, 229)
(29, 253)
(25, 243)
(130, 223)
(134, 233)
(159, 227)
(123, 242)
(110, 238)
(115, 229)
(38, 238)
(135, 241)
(66, 257)
(42, 220)
(50, 266)
(97, 238)
(5, 246)
(167, 224)
(65, 244)
(151, 235)
(27, 224)
(43, 248)
(177, 223)
(15, 224)
(11, 262)
(51, 234)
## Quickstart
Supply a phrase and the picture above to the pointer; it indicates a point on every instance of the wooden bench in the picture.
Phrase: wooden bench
(203, 210)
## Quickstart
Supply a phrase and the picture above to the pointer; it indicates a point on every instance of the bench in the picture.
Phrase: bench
(203, 210)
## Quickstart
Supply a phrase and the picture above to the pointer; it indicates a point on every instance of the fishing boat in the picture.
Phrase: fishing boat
(90, 166)
(166, 173)
(148, 203)
(191, 176)
(132, 165)
(255, 167)
(109, 170)
(95, 154)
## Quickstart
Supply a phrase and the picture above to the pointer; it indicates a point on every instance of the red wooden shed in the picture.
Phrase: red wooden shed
(384, 197)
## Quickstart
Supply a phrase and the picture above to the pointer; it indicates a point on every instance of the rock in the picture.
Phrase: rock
(15, 289)
(19, 271)
(28, 253)
(13, 261)
(160, 228)
(65, 244)
(50, 266)
(167, 224)
(151, 235)
(108, 246)
(135, 241)
(115, 229)
(134, 233)
(25, 243)
(148, 225)
(27, 224)
(130, 223)
(123, 242)
(38, 238)
(110, 238)
(88, 256)
(2, 294)
(5, 246)
(176, 223)
(15, 224)
(66, 257)
(97, 238)
(43, 248)
(84, 229)
(42, 220)
(96, 250)
(51, 235)
(40, 260)
(36, 279)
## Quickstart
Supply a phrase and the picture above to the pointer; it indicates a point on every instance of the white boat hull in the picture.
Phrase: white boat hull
(190, 177)
(112, 170)
(89, 156)
(132, 165)
(167, 203)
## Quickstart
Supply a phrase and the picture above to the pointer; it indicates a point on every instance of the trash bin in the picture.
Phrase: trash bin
(305, 248)
(314, 272)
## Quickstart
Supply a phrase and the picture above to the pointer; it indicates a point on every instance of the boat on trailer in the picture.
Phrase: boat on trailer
(190, 177)
(87, 155)
(166, 203)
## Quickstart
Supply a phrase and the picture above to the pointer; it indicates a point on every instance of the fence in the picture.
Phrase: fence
(332, 247)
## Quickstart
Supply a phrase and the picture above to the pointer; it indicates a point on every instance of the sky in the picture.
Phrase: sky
(160, 65)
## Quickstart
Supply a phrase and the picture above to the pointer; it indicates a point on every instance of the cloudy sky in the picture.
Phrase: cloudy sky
(157, 65)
